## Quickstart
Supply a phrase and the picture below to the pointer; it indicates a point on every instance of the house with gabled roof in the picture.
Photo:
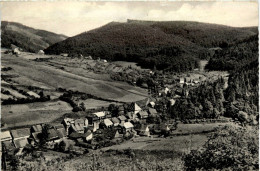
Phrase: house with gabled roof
(93, 122)
(21, 142)
(142, 115)
(143, 130)
(127, 126)
(88, 136)
(20, 133)
(36, 128)
(52, 135)
(115, 121)
(20, 137)
(67, 122)
(36, 137)
(5, 136)
(100, 115)
(182, 80)
(108, 123)
(152, 111)
(122, 119)
(60, 130)
(133, 107)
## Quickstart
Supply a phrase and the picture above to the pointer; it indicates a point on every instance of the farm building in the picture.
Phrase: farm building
(115, 121)
(117, 135)
(75, 135)
(36, 136)
(121, 110)
(78, 126)
(67, 122)
(127, 126)
(172, 102)
(52, 135)
(152, 111)
(134, 108)
(93, 122)
(16, 51)
(122, 119)
(188, 80)
(166, 90)
(20, 137)
(20, 133)
(88, 136)
(143, 130)
(108, 123)
(100, 115)
(129, 115)
(108, 115)
(61, 131)
(181, 80)
(164, 127)
(151, 104)
(41, 52)
(64, 54)
(5, 136)
(21, 142)
(36, 128)
(142, 115)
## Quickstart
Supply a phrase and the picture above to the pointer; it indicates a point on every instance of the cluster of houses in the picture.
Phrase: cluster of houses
(191, 81)
(84, 128)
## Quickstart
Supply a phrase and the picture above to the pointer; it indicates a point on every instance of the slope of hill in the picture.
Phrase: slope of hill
(27, 38)
(164, 45)
(235, 56)
(242, 93)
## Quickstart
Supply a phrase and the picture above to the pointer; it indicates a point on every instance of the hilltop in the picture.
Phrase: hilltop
(27, 38)
(170, 45)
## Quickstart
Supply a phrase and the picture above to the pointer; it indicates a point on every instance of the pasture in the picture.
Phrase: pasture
(33, 113)
(32, 73)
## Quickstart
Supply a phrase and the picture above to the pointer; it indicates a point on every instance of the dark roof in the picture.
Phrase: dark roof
(115, 120)
(122, 118)
(143, 114)
(79, 121)
(37, 128)
(142, 127)
(61, 132)
(35, 136)
(87, 133)
(19, 133)
(19, 143)
(52, 134)
(59, 126)
(152, 111)
(92, 116)
(75, 135)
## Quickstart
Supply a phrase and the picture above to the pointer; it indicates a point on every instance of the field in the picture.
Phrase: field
(35, 73)
(92, 103)
(33, 113)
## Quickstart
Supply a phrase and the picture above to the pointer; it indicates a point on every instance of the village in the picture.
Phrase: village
(88, 129)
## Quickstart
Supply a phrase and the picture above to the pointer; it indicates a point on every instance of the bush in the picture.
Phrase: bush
(233, 147)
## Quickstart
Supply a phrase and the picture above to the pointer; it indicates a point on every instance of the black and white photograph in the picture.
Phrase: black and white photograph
(129, 85)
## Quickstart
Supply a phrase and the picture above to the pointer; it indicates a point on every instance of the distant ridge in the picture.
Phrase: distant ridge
(27, 38)
(170, 45)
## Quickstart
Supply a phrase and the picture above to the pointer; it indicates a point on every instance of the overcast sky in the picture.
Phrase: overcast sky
(71, 18)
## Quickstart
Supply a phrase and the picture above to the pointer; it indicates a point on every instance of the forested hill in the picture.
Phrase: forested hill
(174, 45)
(242, 93)
(235, 56)
(27, 38)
